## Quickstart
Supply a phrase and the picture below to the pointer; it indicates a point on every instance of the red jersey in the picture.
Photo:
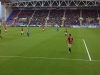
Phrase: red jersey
(66, 31)
(42, 27)
(70, 39)
(22, 29)
(5, 27)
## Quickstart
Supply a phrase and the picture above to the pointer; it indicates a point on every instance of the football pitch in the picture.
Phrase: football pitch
(46, 53)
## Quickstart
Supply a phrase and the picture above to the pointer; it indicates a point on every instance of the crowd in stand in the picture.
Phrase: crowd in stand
(55, 17)
(12, 19)
(23, 18)
(39, 17)
(90, 17)
(71, 17)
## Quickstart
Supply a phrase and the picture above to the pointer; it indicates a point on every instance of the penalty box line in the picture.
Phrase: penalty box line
(87, 50)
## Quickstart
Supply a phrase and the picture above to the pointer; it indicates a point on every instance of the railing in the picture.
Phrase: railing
(30, 18)
(16, 18)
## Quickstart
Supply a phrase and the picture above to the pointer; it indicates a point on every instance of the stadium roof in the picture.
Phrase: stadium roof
(51, 3)
(13, 1)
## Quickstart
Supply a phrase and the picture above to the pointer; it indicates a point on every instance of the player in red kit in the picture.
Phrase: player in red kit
(5, 27)
(66, 32)
(42, 27)
(70, 41)
(22, 31)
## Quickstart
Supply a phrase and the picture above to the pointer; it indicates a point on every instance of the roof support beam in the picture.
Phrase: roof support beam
(54, 3)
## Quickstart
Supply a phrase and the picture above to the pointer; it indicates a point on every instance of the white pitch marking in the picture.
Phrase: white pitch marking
(87, 50)
(47, 58)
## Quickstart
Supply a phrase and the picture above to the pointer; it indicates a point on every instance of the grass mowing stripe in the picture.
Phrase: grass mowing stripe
(87, 50)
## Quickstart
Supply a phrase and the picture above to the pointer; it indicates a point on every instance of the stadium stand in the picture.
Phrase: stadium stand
(39, 17)
(55, 17)
(47, 12)
(90, 17)
(72, 17)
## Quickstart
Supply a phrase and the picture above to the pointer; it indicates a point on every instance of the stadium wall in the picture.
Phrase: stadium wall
(5, 13)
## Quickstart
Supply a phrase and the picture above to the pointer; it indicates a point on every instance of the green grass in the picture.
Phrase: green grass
(46, 53)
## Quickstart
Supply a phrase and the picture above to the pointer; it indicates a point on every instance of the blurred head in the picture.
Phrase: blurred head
(69, 34)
